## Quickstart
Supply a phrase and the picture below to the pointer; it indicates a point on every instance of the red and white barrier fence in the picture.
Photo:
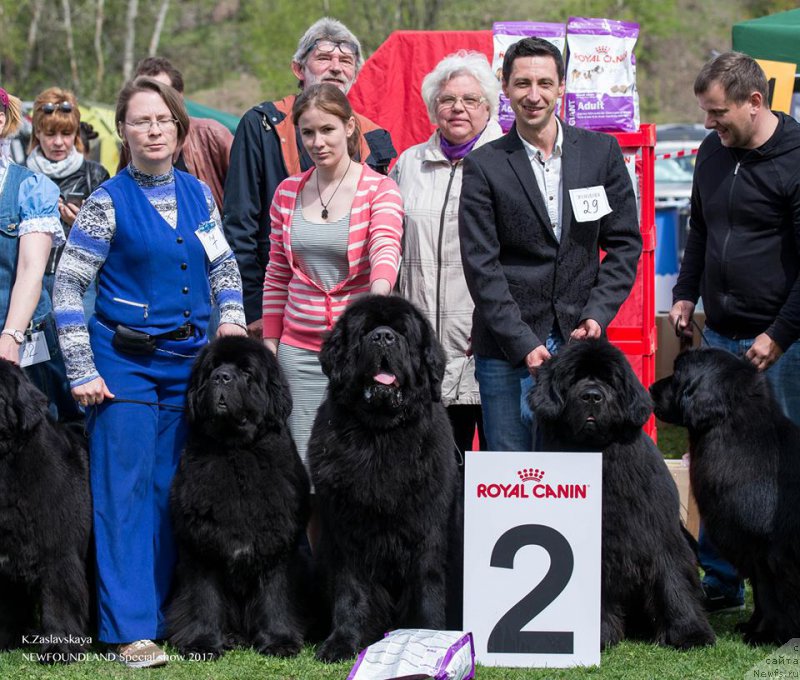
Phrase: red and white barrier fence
(676, 154)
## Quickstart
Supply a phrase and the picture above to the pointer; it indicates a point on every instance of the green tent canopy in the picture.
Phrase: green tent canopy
(199, 111)
(775, 37)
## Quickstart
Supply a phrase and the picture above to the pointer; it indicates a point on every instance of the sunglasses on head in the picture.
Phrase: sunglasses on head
(49, 107)
(327, 46)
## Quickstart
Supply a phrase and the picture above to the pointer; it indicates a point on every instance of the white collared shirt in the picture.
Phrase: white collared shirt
(548, 177)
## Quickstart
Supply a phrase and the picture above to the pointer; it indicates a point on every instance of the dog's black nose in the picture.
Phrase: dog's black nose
(592, 395)
(222, 375)
(383, 335)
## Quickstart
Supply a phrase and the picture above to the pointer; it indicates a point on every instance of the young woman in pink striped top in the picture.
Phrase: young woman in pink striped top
(336, 231)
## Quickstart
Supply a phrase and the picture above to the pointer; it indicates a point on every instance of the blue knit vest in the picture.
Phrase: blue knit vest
(9, 244)
(155, 278)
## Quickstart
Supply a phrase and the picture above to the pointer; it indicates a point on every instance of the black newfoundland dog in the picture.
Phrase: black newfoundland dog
(587, 398)
(45, 525)
(239, 506)
(382, 461)
(745, 475)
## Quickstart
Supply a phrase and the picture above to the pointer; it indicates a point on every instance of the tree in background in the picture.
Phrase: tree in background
(236, 53)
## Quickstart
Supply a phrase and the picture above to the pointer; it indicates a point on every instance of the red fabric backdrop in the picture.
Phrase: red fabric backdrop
(387, 89)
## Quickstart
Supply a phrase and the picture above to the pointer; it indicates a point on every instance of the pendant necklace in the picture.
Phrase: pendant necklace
(319, 193)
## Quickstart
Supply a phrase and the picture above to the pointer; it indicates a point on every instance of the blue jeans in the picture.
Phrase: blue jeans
(508, 423)
(784, 377)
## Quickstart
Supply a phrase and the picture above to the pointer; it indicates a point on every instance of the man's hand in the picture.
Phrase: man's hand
(254, 329)
(763, 352)
(680, 318)
(535, 358)
(587, 329)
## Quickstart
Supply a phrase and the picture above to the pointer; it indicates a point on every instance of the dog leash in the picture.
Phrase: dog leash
(682, 337)
(118, 400)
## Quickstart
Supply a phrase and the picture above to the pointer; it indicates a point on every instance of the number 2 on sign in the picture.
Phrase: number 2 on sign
(507, 636)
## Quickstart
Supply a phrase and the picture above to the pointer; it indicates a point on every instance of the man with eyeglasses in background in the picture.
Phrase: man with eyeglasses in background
(536, 207)
(267, 149)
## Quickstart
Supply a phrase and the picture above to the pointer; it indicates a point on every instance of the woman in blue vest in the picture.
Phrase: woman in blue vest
(152, 236)
(29, 228)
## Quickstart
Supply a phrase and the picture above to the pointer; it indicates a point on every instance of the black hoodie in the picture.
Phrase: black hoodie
(743, 250)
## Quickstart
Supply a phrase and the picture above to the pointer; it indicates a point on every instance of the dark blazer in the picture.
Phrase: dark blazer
(523, 282)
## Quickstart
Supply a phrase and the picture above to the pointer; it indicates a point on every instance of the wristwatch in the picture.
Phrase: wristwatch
(19, 336)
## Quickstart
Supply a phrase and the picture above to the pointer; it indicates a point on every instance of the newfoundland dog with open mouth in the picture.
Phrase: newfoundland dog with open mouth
(239, 505)
(383, 464)
(587, 398)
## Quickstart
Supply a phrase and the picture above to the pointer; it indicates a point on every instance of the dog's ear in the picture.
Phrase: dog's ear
(701, 404)
(31, 405)
(433, 356)
(635, 400)
(333, 356)
(277, 389)
(196, 390)
(548, 396)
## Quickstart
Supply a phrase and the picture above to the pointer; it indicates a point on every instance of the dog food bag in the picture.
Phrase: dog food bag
(415, 653)
(505, 34)
(601, 89)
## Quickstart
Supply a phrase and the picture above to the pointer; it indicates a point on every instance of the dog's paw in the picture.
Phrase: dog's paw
(201, 649)
(336, 649)
(278, 645)
(758, 637)
(701, 635)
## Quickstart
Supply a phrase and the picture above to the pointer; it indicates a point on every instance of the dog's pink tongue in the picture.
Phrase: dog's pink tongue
(385, 378)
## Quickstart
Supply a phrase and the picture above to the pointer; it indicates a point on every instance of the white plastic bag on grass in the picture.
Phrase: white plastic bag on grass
(438, 654)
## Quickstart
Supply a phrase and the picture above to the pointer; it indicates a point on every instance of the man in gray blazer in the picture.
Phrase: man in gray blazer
(536, 207)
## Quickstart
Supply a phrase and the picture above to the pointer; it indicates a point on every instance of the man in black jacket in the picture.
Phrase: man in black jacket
(536, 206)
(267, 149)
(743, 251)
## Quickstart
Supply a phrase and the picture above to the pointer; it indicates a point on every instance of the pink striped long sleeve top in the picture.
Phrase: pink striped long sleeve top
(296, 308)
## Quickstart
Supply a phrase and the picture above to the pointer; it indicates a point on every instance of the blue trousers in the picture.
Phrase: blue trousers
(134, 453)
(784, 377)
(508, 423)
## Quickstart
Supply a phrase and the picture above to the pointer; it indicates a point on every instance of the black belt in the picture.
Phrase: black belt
(183, 333)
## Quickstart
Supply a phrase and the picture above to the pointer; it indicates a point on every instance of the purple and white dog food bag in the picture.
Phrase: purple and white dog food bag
(601, 89)
(505, 34)
(438, 654)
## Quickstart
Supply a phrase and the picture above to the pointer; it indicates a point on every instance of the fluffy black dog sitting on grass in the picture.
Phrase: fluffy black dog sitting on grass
(45, 524)
(587, 398)
(745, 475)
(383, 463)
(239, 507)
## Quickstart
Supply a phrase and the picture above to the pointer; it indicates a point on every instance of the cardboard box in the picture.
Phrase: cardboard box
(679, 469)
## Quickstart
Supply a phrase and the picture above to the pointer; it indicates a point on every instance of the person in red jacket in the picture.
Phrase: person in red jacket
(267, 149)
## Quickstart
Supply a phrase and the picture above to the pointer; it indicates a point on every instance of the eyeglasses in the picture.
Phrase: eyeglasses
(144, 125)
(327, 46)
(468, 101)
(50, 107)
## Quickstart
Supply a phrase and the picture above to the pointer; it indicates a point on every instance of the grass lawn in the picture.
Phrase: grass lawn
(728, 659)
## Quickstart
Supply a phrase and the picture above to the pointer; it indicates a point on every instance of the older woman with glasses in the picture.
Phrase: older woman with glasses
(152, 236)
(461, 95)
